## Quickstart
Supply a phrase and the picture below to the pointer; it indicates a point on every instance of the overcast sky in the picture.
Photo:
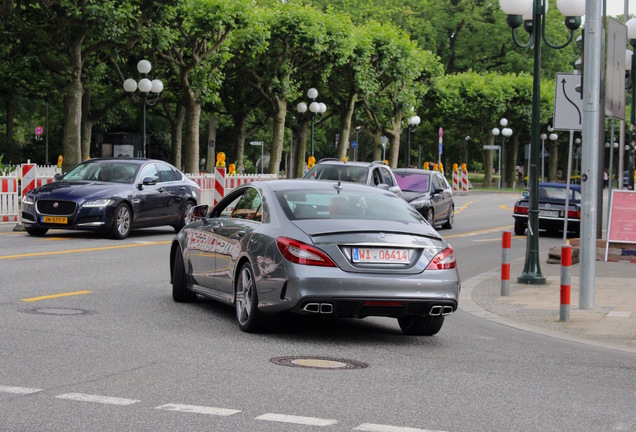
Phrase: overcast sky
(617, 7)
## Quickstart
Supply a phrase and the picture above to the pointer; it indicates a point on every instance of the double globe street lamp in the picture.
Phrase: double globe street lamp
(531, 13)
(316, 108)
(145, 86)
(506, 133)
(413, 121)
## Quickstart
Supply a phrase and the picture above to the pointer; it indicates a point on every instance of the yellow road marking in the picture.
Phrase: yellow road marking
(459, 210)
(70, 251)
(52, 296)
(504, 207)
(474, 233)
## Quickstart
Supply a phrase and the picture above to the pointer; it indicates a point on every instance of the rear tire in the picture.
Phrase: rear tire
(249, 318)
(430, 216)
(180, 291)
(451, 218)
(421, 325)
(520, 228)
(36, 232)
(185, 218)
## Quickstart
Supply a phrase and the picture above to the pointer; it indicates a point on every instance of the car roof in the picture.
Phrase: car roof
(318, 185)
(138, 161)
(333, 161)
(560, 185)
(413, 171)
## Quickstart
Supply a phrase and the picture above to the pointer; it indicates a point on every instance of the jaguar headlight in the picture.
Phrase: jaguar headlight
(103, 202)
(28, 199)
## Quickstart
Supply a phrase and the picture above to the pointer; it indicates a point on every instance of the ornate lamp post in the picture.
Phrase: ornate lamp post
(413, 122)
(144, 86)
(315, 108)
(531, 13)
(506, 133)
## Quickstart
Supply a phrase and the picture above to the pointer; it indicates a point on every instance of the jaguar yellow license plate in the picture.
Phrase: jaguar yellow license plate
(380, 256)
(54, 219)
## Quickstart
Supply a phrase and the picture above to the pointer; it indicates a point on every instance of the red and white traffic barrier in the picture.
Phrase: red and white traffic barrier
(505, 262)
(9, 199)
(566, 264)
(455, 178)
(28, 177)
(464, 178)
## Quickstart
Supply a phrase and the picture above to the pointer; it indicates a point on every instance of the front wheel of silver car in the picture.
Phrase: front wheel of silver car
(122, 222)
(421, 325)
(249, 318)
(180, 291)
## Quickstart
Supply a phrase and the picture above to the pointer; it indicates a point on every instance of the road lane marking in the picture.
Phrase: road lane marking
(52, 296)
(309, 421)
(18, 390)
(475, 233)
(82, 397)
(94, 249)
(459, 210)
(369, 427)
(198, 409)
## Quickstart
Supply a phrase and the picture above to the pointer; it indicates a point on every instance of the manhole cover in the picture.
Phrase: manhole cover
(318, 362)
(56, 311)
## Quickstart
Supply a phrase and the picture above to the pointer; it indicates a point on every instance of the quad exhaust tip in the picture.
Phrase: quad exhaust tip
(323, 308)
(438, 310)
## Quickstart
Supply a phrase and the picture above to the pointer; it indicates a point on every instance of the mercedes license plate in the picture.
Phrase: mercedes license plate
(549, 213)
(54, 219)
(379, 255)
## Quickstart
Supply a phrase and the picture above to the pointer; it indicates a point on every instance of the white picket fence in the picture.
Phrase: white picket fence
(213, 187)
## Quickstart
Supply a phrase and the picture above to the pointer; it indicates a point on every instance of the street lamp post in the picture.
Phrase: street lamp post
(262, 144)
(413, 122)
(544, 136)
(553, 137)
(506, 133)
(577, 155)
(144, 86)
(531, 13)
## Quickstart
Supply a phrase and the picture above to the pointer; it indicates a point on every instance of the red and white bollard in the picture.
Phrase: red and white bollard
(505, 263)
(566, 264)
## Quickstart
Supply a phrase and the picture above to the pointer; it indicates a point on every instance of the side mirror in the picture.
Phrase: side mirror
(200, 212)
(58, 176)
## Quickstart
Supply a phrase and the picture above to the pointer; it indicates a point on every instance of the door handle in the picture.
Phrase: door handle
(161, 189)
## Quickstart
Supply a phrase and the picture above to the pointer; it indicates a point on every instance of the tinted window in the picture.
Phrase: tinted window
(386, 177)
(248, 206)
(359, 205)
(413, 182)
(342, 172)
(167, 174)
(149, 170)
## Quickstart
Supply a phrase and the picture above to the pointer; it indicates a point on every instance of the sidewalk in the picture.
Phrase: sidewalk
(535, 308)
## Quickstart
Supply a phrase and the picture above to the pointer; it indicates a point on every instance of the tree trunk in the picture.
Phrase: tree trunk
(176, 136)
(210, 158)
(300, 148)
(276, 149)
(191, 141)
(377, 148)
(394, 141)
(87, 125)
(346, 114)
(71, 139)
(239, 143)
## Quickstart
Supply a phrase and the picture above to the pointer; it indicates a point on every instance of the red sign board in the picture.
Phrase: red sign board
(39, 130)
(622, 220)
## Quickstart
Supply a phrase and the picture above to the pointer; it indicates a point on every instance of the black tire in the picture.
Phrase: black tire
(249, 318)
(180, 291)
(36, 232)
(430, 217)
(520, 227)
(185, 217)
(451, 218)
(421, 325)
(122, 222)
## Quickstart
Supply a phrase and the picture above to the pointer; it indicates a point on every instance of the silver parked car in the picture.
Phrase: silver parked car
(316, 247)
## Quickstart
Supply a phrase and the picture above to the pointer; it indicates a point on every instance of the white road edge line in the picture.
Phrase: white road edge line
(198, 409)
(283, 418)
(369, 427)
(97, 399)
(18, 390)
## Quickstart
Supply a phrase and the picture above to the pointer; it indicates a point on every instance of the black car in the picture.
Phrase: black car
(112, 195)
(551, 209)
(376, 174)
(429, 193)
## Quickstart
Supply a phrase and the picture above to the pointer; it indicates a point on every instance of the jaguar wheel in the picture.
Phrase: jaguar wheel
(249, 318)
(186, 217)
(421, 325)
(122, 222)
(36, 232)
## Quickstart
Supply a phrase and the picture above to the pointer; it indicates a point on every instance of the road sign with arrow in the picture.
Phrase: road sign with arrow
(568, 104)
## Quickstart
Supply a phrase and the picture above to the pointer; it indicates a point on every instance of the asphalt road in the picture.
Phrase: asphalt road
(90, 339)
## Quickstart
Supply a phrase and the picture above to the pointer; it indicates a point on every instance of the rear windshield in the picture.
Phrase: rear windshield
(557, 193)
(343, 172)
(413, 182)
(361, 205)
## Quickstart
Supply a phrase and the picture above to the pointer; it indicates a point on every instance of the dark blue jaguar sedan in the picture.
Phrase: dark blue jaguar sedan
(112, 195)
